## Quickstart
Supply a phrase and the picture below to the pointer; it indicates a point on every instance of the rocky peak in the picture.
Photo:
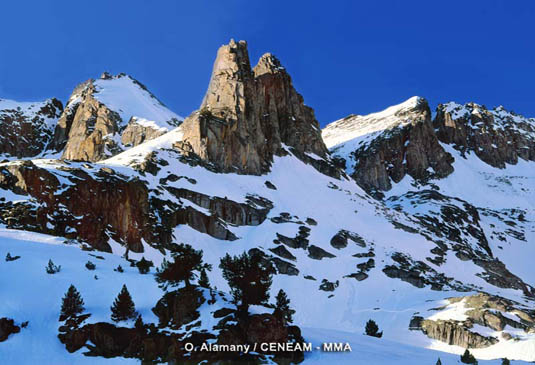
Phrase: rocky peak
(105, 116)
(249, 115)
(268, 63)
(496, 136)
(381, 148)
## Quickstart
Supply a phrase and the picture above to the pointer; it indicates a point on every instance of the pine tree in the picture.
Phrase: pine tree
(203, 280)
(372, 329)
(90, 266)
(144, 265)
(123, 307)
(72, 304)
(249, 277)
(505, 361)
(282, 307)
(51, 268)
(139, 325)
(186, 260)
(468, 358)
(439, 362)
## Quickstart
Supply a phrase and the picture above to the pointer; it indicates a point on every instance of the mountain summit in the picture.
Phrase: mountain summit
(105, 116)
(250, 115)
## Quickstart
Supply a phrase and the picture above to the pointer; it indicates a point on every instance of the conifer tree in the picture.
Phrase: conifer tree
(282, 307)
(144, 265)
(249, 277)
(203, 280)
(468, 358)
(72, 304)
(505, 361)
(372, 329)
(439, 362)
(51, 268)
(139, 325)
(123, 307)
(186, 261)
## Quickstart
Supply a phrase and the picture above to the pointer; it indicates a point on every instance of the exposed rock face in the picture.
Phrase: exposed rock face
(262, 328)
(105, 116)
(63, 128)
(96, 205)
(93, 209)
(27, 128)
(382, 148)
(410, 148)
(136, 133)
(495, 136)
(455, 334)
(481, 309)
(91, 125)
(247, 115)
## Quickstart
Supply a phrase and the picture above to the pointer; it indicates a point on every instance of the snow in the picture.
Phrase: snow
(125, 96)
(354, 126)
(30, 110)
(30, 294)
(304, 193)
(26, 280)
(454, 311)
(344, 136)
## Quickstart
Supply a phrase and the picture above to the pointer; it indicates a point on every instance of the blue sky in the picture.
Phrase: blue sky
(344, 56)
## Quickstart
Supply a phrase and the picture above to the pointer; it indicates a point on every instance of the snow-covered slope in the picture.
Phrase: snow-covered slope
(430, 233)
(308, 201)
(343, 137)
(130, 99)
(106, 116)
(355, 126)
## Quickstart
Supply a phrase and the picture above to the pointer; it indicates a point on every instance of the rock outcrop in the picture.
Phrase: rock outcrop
(92, 125)
(179, 307)
(481, 309)
(92, 208)
(412, 149)
(456, 334)
(7, 327)
(105, 116)
(136, 133)
(96, 205)
(381, 148)
(250, 115)
(27, 128)
(496, 136)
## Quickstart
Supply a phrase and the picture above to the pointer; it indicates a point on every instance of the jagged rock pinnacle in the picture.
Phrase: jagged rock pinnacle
(247, 115)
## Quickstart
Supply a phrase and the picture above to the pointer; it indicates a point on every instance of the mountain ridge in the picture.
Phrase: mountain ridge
(419, 234)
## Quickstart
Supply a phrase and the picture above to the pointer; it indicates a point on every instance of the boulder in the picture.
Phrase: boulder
(179, 307)
(7, 327)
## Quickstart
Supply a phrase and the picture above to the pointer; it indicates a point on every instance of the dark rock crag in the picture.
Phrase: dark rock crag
(496, 136)
(27, 129)
(250, 115)
(412, 148)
